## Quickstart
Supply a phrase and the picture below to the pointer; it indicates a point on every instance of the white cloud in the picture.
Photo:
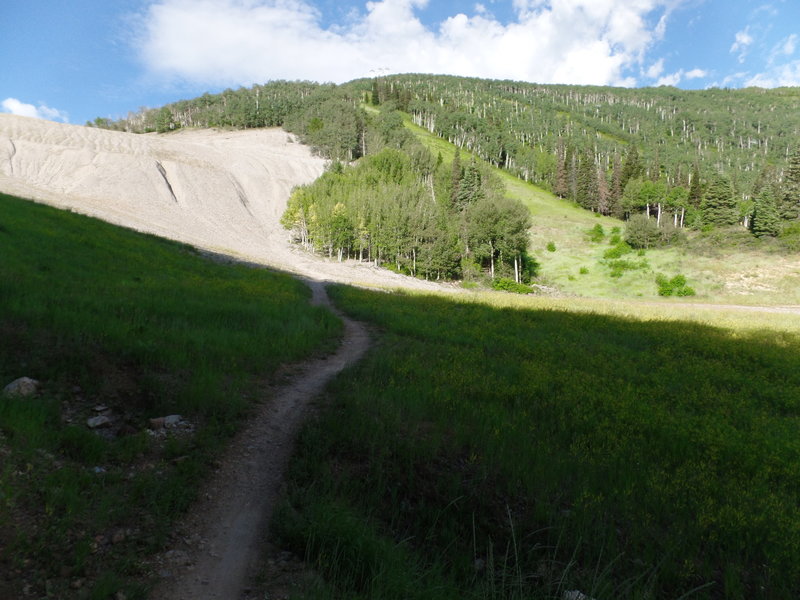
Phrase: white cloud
(655, 69)
(15, 107)
(788, 46)
(696, 74)
(239, 42)
(675, 78)
(742, 43)
(786, 75)
(672, 79)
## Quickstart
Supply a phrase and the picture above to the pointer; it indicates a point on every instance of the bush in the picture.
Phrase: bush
(551, 246)
(642, 232)
(618, 267)
(673, 287)
(596, 234)
(584, 270)
(505, 284)
(617, 251)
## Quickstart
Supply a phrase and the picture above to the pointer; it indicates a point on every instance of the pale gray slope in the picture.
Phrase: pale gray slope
(222, 191)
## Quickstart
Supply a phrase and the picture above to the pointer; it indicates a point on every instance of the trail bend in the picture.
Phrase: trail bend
(220, 540)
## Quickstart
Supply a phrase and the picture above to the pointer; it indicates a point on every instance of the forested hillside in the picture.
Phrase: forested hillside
(665, 160)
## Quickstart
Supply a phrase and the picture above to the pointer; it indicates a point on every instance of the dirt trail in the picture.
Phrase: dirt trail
(221, 538)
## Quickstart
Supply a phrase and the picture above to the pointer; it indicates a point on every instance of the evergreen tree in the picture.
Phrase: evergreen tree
(766, 220)
(632, 168)
(615, 193)
(561, 187)
(603, 195)
(695, 188)
(586, 188)
(789, 206)
(455, 177)
(719, 204)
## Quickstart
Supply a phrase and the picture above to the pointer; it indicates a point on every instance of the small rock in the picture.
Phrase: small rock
(98, 422)
(120, 596)
(77, 584)
(575, 595)
(22, 387)
(172, 421)
(99, 470)
(118, 537)
(157, 423)
(100, 408)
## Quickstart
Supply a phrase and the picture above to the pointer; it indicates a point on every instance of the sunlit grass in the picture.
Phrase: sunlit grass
(752, 275)
(514, 447)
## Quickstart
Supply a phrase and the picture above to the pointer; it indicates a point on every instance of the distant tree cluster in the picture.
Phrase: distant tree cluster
(403, 209)
(653, 157)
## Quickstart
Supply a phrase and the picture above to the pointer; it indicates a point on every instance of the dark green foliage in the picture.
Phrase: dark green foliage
(505, 284)
(789, 205)
(597, 234)
(632, 167)
(642, 232)
(386, 209)
(619, 266)
(719, 206)
(765, 220)
(695, 188)
(673, 287)
(147, 327)
(620, 249)
(551, 246)
(587, 184)
(551, 446)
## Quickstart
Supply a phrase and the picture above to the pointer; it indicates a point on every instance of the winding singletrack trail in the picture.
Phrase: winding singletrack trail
(228, 524)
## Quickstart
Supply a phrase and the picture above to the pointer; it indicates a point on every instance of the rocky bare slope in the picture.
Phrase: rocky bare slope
(222, 191)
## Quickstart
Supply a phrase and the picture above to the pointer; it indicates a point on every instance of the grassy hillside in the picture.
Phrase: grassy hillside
(105, 317)
(503, 450)
(723, 266)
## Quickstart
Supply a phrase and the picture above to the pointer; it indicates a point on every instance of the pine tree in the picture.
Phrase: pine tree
(586, 188)
(455, 177)
(789, 205)
(766, 220)
(632, 168)
(695, 188)
(561, 188)
(615, 193)
(719, 205)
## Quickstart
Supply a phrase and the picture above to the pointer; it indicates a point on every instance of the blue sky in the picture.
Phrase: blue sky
(74, 61)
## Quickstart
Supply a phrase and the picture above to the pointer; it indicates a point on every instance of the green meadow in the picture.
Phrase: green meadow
(495, 447)
(723, 266)
(146, 327)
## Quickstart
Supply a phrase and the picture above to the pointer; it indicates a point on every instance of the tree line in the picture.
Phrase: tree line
(401, 208)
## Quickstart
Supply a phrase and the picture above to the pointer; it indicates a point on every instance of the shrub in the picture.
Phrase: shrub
(618, 267)
(617, 251)
(642, 232)
(596, 234)
(584, 270)
(551, 246)
(673, 287)
(505, 284)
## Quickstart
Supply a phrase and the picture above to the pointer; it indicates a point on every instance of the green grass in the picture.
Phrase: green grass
(147, 327)
(724, 266)
(518, 450)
